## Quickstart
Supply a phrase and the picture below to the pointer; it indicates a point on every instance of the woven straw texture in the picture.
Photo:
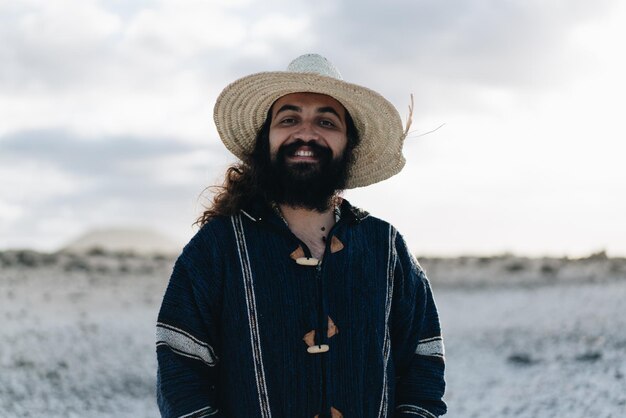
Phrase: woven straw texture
(242, 107)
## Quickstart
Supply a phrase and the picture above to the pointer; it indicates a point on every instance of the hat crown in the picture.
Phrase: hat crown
(314, 63)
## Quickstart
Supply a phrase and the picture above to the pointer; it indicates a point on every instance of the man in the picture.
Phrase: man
(290, 302)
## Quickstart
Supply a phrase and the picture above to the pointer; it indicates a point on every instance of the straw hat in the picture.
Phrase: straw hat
(242, 107)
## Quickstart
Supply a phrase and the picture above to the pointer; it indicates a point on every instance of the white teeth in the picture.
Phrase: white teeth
(304, 153)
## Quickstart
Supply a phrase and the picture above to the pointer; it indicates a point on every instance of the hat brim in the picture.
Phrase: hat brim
(241, 110)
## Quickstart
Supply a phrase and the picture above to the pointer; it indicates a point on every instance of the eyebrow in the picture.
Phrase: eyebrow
(328, 109)
(289, 107)
(325, 109)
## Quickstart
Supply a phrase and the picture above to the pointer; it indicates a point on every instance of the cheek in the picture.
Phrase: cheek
(274, 142)
(340, 144)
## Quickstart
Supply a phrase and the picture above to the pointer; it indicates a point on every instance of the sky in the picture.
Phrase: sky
(106, 114)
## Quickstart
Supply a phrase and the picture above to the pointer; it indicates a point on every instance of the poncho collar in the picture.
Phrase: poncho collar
(258, 210)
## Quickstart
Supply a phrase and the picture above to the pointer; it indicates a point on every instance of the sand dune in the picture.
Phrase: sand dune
(116, 239)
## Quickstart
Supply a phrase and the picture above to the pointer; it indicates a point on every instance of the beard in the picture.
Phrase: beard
(306, 184)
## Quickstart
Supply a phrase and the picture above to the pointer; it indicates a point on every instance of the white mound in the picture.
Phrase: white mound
(136, 240)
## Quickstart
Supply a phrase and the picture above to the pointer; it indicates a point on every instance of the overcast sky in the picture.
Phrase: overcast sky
(106, 113)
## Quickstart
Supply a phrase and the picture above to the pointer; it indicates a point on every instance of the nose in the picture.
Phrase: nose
(307, 132)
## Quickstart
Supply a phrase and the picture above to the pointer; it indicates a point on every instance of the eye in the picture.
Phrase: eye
(288, 120)
(327, 123)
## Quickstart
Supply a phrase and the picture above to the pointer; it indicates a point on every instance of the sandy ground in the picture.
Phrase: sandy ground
(524, 337)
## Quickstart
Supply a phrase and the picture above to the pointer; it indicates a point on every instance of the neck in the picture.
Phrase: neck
(297, 217)
(309, 225)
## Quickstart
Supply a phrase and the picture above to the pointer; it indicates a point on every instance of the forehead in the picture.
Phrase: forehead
(303, 100)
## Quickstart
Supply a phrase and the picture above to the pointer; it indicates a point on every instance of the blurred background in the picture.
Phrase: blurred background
(512, 197)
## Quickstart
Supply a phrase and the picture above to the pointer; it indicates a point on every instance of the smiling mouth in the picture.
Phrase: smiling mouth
(304, 154)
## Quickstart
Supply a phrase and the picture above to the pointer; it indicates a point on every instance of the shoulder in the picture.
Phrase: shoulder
(374, 226)
(382, 234)
(209, 240)
(395, 238)
(360, 217)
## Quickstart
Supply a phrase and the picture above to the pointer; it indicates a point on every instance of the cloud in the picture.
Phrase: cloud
(42, 41)
(101, 69)
(489, 42)
(113, 166)
(185, 28)
(56, 175)
(87, 157)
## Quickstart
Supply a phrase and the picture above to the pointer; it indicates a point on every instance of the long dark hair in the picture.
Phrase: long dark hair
(241, 183)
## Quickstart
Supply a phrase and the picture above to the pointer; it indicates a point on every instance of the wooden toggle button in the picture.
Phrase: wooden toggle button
(332, 328)
(335, 245)
(316, 349)
(307, 261)
(309, 338)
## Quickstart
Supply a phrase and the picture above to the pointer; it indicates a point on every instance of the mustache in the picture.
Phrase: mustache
(317, 149)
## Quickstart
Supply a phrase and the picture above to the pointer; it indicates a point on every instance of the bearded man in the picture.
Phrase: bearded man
(289, 301)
